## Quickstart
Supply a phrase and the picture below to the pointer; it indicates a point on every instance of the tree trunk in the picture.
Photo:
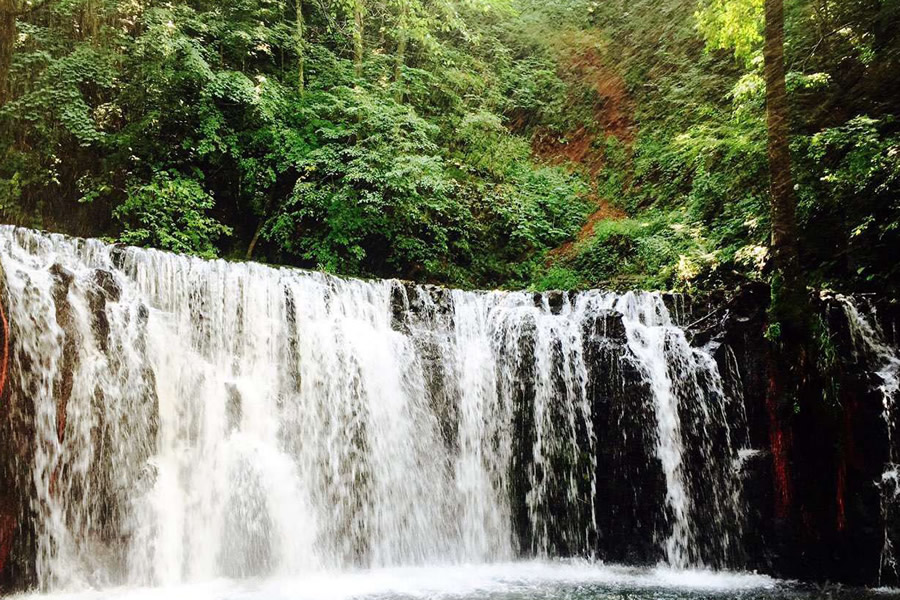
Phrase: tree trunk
(793, 351)
(90, 21)
(255, 239)
(301, 50)
(358, 36)
(7, 45)
(784, 243)
(401, 49)
(789, 295)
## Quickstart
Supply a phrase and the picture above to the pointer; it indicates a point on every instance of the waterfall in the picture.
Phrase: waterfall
(195, 419)
(870, 344)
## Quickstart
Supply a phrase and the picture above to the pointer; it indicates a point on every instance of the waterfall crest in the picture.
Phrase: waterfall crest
(195, 419)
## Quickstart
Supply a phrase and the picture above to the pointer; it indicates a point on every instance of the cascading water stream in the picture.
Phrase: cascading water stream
(196, 419)
(869, 343)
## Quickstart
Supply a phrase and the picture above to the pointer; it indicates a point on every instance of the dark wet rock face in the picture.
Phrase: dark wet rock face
(62, 280)
(233, 407)
(77, 299)
(104, 289)
(607, 328)
(426, 313)
(17, 438)
(555, 300)
(630, 484)
(107, 283)
(811, 481)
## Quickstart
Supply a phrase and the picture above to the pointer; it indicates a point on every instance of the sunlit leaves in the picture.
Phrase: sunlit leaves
(732, 24)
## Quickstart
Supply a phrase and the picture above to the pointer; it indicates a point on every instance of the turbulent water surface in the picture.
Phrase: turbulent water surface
(505, 581)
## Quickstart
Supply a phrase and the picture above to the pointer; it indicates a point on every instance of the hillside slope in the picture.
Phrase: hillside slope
(478, 143)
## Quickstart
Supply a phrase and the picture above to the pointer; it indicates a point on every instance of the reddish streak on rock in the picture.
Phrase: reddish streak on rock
(3, 367)
(54, 478)
(780, 441)
(845, 451)
(841, 493)
(7, 521)
(61, 420)
(7, 533)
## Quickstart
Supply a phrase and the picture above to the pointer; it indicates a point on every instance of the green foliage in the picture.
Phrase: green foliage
(182, 125)
(559, 278)
(655, 253)
(542, 208)
(700, 150)
(535, 93)
(374, 191)
(857, 185)
(409, 170)
(732, 24)
(867, 161)
(170, 213)
(375, 194)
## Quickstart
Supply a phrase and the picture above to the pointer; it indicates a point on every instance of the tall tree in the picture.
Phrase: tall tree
(358, 32)
(301, 49)
(737, 24)
(402, 38)
(10, 10)
(8, 14)
(789, 289)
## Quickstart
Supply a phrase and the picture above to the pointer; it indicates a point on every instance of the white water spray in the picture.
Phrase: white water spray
(197, 419)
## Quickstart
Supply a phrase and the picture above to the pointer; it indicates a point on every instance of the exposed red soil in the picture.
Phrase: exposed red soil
(575, 147)
(605, 212)
(584, 62)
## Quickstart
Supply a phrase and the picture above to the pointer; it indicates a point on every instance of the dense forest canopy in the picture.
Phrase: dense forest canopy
(510, 143)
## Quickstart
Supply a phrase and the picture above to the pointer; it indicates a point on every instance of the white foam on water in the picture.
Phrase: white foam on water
(475, 581)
